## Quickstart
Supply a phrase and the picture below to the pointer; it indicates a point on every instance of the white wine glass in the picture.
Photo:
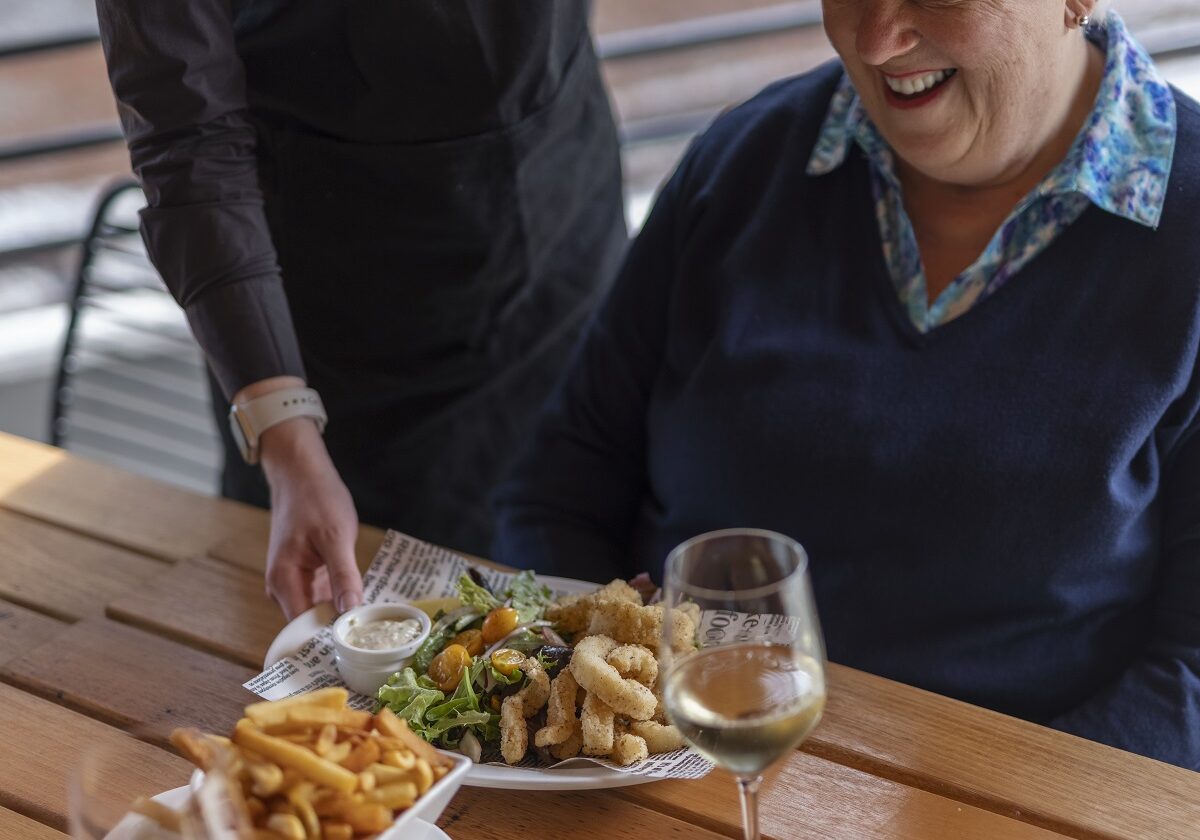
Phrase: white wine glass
(754, 688)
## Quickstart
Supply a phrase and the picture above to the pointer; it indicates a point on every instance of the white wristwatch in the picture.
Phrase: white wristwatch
(249, 420)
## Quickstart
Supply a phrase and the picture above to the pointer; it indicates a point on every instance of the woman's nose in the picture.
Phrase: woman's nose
(885, 31)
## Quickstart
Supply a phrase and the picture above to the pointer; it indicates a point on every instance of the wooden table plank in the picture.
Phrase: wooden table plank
(43, 743)
(22, 630)
(14, 826)
(64, 574)
(887, 729)
(118, 507)
(808, 798)
(94, 667)
(87, 669)
(581, 815)
(1002, 763)
(207, 604)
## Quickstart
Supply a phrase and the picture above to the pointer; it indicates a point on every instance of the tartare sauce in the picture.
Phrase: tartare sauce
(384, 634)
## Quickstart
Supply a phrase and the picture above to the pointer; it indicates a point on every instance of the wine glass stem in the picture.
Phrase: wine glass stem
(748, 785)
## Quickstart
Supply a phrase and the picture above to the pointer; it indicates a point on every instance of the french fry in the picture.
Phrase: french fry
(194, 746)
(338, 752)
(362, 756)
(325, 740)
(402, 759)
(424, 775)
(368, 817)
(256, 809)
(301, 796)
(388, 724)
(331, 830)
(385, 774)
(304, 718)
(160, 813)
(287, 825)
(265, 778)
(331, 803)
(396, 795)
(292, 756)
(273, 710)
(309, 767)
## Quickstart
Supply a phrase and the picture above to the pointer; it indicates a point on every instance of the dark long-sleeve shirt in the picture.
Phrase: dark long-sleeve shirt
(1004, 509)
(208, 88)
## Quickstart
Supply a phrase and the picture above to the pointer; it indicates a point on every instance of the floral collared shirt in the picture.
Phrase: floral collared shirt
(1120, 162)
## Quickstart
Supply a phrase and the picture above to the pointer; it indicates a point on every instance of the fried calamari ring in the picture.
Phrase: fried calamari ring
(634, 662)
(631, 624)
(536, 690)
(570, 747)
(596, 724)
(560, 713)
(625, 696)
(628, 748)
(514, 734)
(658, 738)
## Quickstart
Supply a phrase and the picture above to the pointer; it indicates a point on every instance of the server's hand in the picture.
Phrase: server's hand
(313, 522)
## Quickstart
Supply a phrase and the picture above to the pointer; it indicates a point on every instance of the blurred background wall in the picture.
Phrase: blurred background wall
(135, 396)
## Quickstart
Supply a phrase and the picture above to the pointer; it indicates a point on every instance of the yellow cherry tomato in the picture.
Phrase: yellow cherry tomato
(498, 624)
(507, 661)
(447, 667)
(472, 640)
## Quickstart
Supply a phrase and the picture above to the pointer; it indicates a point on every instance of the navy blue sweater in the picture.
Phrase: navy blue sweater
(1004, 510)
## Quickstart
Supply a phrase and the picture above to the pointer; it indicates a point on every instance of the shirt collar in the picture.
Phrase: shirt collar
(1121, 159)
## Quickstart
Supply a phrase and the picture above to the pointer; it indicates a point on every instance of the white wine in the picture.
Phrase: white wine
(745, 705)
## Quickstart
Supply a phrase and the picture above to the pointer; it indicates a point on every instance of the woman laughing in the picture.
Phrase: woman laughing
(934, 311)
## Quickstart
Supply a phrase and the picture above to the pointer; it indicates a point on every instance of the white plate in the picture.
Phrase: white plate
(585, 775)
(132, 826)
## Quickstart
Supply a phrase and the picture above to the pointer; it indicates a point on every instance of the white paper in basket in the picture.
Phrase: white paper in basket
(407, 569)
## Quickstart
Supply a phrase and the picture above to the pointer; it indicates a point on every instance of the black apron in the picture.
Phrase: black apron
(439, 257)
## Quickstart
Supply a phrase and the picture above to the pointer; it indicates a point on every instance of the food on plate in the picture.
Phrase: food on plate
(560, 712)
(640, 625)
(598, 725)
(573, 613)
(384, 634)
(621, 693)
(308, 767)
(507, 673)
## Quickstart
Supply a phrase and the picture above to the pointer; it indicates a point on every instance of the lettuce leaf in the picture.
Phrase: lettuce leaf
(500, 678)
(435, 717)
(529, 598)
(410, 697)
(474, 595)
(430, 648)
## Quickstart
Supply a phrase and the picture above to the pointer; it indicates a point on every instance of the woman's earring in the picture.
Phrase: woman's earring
(1083, 20)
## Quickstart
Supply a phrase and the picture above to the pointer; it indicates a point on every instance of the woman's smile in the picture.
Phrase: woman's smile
(912, 90)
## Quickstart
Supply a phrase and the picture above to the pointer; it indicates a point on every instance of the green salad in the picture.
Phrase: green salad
(452, 692)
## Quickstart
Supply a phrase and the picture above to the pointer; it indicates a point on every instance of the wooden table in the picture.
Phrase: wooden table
(128, 604)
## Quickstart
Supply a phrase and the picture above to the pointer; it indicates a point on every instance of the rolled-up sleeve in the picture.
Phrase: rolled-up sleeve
(180, 92)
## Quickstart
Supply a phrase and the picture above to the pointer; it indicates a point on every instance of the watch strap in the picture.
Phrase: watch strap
(248, 420)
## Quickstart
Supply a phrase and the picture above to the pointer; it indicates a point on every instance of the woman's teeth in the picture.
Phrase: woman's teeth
(912, 85)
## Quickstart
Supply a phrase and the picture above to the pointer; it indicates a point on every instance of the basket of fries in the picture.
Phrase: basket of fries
(311, 767)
